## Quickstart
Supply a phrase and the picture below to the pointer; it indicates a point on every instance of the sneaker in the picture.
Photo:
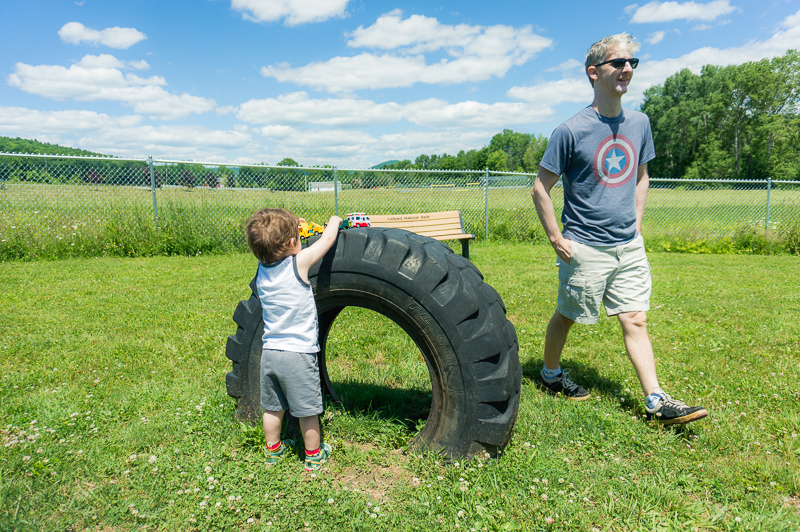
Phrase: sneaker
(563, 385)
(669, 411)
(316, 461)
(273, 457)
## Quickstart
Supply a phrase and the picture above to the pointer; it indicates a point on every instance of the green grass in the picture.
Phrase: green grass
(114, 414)
(62, 221)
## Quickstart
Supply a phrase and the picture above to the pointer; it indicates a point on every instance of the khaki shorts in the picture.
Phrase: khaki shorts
(616, 276)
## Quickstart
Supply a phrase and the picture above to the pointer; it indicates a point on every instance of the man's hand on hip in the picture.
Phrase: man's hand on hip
(563, 249)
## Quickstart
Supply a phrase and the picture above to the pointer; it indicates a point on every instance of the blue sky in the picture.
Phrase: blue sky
(344, 82)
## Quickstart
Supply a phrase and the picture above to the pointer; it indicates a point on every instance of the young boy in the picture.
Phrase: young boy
(289, 367)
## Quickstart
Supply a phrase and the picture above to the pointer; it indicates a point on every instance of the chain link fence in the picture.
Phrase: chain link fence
(83, 206)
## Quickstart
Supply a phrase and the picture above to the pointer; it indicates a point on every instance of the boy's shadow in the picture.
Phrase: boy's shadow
(399, 406)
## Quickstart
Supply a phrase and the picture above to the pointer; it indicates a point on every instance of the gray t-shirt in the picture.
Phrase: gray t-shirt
(599, 159)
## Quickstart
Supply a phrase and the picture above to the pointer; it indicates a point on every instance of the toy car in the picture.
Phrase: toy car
(358, 219)
(309, 229)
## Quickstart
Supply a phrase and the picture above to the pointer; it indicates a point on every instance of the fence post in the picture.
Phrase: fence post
(335, 192)
(769, 194)
(486, 208)
(153, 187)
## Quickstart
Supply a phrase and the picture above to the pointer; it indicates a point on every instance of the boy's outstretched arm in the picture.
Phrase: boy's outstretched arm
(310, 255)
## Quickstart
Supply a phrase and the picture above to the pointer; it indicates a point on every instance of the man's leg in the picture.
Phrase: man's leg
(555, 338)
(659, 405)
(639, 348)
(551, 378)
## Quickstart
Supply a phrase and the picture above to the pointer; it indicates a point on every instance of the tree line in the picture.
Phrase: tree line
(508, 151)
(734, 122)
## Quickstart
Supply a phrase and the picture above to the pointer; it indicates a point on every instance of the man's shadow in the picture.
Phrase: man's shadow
(588, 377)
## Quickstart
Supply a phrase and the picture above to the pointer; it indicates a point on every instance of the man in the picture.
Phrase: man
(602, 153)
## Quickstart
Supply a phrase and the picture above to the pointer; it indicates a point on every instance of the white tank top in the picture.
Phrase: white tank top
(288, 308)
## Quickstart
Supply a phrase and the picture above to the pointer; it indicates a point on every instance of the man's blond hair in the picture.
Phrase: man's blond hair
(597, 52)
(271, 233)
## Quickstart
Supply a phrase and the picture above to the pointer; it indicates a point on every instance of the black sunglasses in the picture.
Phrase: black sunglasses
(620, 62)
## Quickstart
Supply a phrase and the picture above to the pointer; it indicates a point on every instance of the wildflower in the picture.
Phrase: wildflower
(152, 460)
(544, 496)
(330, 501)
(548, 520)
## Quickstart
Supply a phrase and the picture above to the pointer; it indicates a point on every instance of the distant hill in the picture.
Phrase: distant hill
(18, 145)
(384, 164)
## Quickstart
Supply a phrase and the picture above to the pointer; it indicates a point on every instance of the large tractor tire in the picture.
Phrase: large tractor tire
(457, 321)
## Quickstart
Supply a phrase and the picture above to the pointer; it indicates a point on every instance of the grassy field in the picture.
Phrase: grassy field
(114, 413)
(58, 221)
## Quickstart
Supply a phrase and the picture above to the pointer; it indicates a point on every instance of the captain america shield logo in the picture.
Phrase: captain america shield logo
(614, 162)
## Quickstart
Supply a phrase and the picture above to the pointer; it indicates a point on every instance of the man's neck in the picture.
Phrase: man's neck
(607, 107)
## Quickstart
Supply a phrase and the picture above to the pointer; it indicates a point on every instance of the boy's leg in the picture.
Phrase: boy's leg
(317, 454)
(272, 426)
(309, 426)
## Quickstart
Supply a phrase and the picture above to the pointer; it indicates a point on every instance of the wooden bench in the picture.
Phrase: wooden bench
(439, 225)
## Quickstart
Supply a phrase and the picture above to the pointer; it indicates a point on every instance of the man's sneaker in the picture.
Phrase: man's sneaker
(273, 457)
(669, 411)
(563, 385)
(316, 461)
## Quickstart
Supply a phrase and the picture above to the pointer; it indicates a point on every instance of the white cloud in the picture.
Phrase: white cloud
(31, 123)
(418, 33)
(556, 92)
(566, 66)
(292, 11)
(139, 65)
(116, 37)
(475, 53)
(100, 78)
(409, 144)
(298, 108)
(226, 110)
(792, 21)
(656, 37)
(169, 142)
(276, 132)
(668, 11)
(440, 114)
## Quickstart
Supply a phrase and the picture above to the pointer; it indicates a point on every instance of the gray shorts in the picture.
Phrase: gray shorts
(290, 381)
(616, 276)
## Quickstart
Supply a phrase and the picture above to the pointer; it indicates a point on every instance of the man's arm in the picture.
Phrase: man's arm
(642, 184)
(545, 180)
(310, 255)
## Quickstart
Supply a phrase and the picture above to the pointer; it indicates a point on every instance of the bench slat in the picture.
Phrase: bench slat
(422, 226)
(383, 218)
(445, 225)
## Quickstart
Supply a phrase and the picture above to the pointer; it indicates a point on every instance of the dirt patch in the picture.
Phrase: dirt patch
(793, 501)
(375, 480)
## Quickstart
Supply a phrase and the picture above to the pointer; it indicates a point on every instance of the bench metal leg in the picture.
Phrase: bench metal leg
(465, 248)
